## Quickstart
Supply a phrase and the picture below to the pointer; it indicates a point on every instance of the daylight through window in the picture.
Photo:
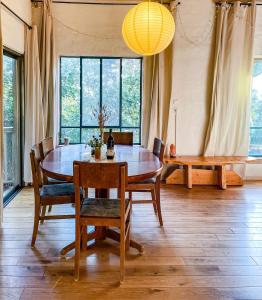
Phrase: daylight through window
(87, 83)
(255, 145)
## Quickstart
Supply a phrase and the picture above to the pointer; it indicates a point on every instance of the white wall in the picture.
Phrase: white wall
(12, 28)
(100, 25)
(193, 73)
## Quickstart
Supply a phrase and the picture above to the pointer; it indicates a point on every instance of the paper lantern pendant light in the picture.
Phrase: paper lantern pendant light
(148, 28)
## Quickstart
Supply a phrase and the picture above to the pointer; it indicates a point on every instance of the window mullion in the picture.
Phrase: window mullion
(120, 96)
(101, 83)
(81, 97)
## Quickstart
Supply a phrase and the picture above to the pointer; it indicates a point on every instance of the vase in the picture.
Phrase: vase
(97, 153)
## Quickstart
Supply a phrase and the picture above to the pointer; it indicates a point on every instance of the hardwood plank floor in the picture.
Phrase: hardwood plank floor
(209, 248)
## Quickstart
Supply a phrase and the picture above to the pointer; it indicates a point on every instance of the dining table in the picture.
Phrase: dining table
(142, 165)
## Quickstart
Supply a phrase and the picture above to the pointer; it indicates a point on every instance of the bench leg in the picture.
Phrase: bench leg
(222, 179)
(188, 169)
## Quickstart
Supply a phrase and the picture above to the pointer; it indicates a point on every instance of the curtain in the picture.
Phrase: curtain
(1, 123)
(228, 129)
(157, 91)
(47, 67)
(34, 117)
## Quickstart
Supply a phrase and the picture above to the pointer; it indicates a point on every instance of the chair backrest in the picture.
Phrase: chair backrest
(100, 175)
(46, 146)
(35, 158)
(120, 138)
(159, 149)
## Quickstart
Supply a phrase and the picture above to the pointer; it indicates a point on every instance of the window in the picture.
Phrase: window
(87, 83)
(12, 119)
(255, 145)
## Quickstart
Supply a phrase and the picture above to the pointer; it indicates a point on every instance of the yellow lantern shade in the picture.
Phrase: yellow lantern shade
(148, 28)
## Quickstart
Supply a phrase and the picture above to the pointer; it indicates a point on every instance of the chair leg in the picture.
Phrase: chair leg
(153, 196)
(128, 240)
(49, 208)
(43, 213)
(77, 250)
(130, 195)
(122, 254)
(158, 201)
(36, 223)
(84, 237)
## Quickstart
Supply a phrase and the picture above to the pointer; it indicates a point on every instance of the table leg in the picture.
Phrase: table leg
(102, 193)
(67, 248)
(188, 171)
(116, 237)
(101, 232)
(222, 177)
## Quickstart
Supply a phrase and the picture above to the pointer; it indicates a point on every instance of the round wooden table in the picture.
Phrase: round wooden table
(142, 164)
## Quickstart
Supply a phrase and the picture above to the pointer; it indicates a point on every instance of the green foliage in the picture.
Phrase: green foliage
(8, 90)
(131, 93)
(70, 92)
(70, 95)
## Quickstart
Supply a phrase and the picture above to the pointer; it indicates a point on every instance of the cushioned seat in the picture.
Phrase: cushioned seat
(98, 207)
(146, 181)
(53, 190)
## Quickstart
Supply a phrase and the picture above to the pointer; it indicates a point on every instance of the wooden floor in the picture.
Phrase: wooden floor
(209, 248)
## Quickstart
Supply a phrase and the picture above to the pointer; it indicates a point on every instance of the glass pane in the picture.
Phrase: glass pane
(136, 134)
(256, 105)
(255, 147)
(11, 117)
(70, 91)
(111, 89)
(131, 95)
(87, 134)
(73, 134)
(90, 90)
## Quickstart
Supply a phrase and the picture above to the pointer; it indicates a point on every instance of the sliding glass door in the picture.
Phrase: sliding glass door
(12, 120)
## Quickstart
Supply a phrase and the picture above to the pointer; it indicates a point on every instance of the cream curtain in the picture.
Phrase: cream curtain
(47, 67)
(228, 130)
(157, 91)
(1, 123)
(34, 118)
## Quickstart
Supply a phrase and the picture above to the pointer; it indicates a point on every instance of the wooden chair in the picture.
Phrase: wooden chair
(47, 194)
(120, 138)
(102, 211)
(46, 146)
(151, 185)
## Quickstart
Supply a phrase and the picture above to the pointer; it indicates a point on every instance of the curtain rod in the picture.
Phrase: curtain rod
(93, 3)
(16, 15)
(232, 2)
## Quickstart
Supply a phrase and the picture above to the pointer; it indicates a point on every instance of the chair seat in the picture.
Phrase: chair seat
(101, 207)
(56, 190)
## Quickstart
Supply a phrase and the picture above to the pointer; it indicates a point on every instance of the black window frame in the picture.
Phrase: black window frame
(254, 127)
(81, 126)
(20, 98)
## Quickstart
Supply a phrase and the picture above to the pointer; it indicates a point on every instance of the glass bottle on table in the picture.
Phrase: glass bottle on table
(110, 153)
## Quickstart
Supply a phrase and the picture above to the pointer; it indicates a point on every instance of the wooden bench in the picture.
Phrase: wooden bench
(219, 175)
